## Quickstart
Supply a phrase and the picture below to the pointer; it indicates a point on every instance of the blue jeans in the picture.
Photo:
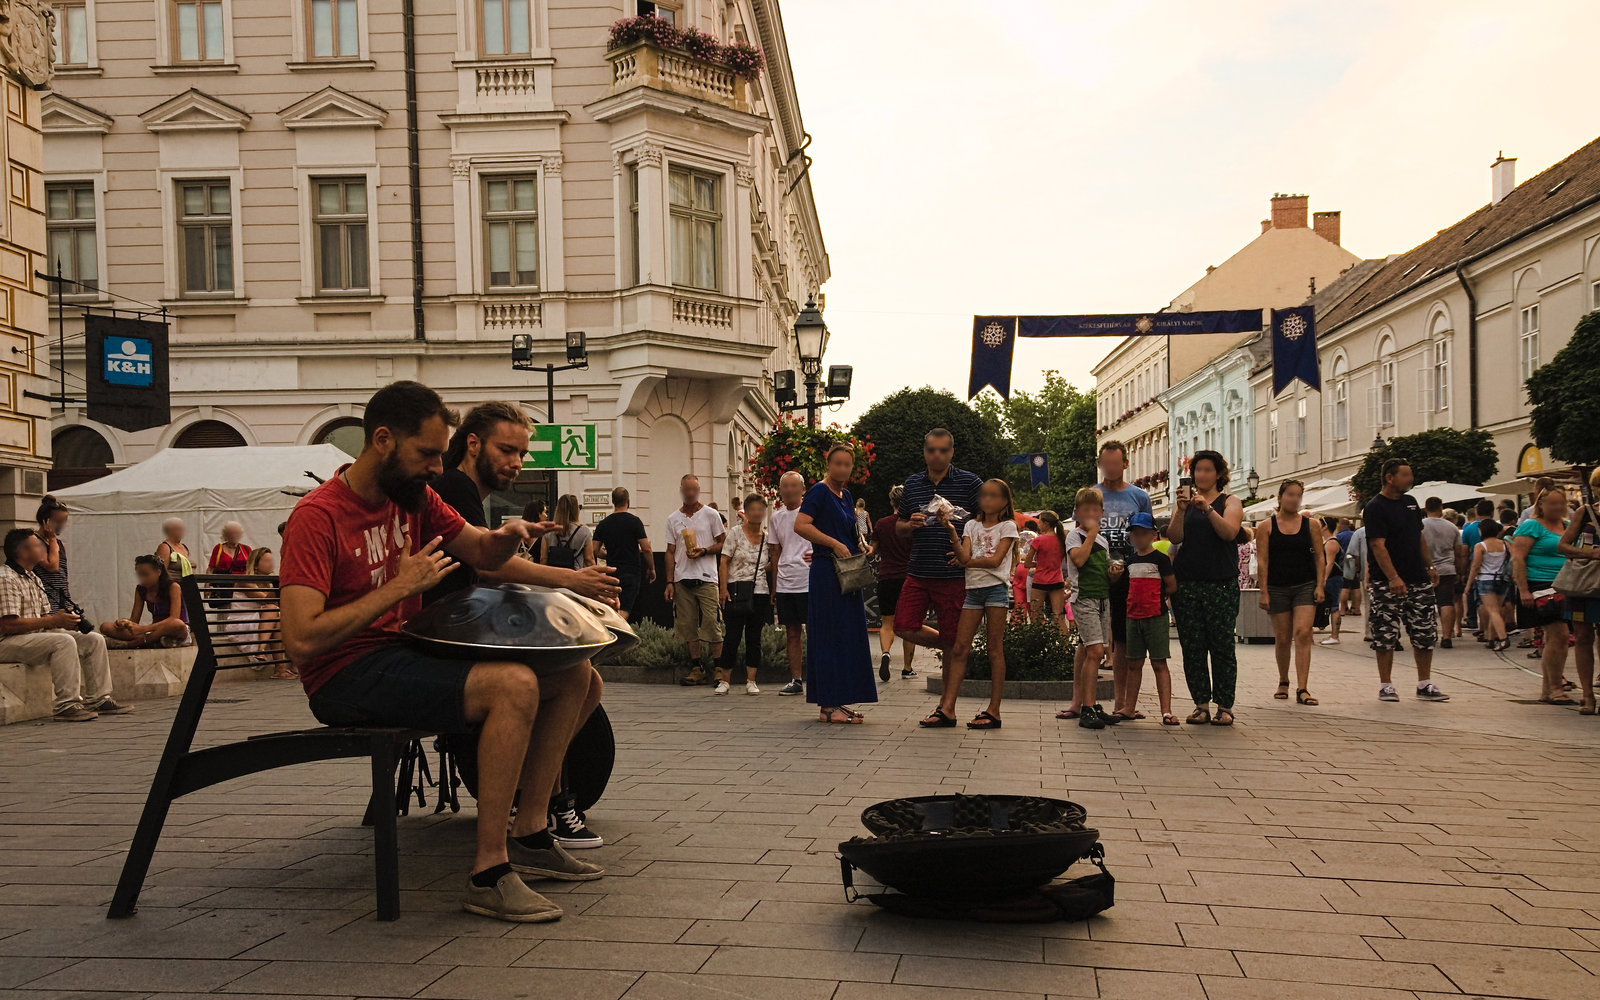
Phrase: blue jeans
(996, 596)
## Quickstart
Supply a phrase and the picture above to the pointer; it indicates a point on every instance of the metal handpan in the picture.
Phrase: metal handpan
(546, 629)
(625, 637)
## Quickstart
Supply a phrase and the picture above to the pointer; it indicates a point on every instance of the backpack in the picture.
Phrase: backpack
(562, 553)
(1349, 565)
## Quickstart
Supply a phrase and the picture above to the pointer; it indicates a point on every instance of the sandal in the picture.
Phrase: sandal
(1125, 717)
(984, 720)
(1563, 700)
(1283, 691)
(832, 715)
(937, 720)
(1168, 719)
(1067, 713)
(1303, 697)
(1219, 720)
(1201, 716)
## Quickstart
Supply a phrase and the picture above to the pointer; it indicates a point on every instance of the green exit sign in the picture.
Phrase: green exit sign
(561, 446)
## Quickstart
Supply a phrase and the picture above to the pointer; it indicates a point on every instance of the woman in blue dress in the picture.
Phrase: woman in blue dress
(838, 656)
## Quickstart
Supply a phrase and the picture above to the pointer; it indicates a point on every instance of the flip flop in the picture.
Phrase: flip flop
(1067, 713)
(1557, 701)
(1200, 717)
(978, 721)
(1168, 719)
(1125, 717)
(1218, 720)
(937, 720)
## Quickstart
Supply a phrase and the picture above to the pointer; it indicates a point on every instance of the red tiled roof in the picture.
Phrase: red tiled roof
(1536, 202)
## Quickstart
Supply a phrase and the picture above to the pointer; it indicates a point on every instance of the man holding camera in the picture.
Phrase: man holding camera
(31, 634)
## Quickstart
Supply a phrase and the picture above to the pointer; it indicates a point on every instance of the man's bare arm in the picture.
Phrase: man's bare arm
(488, 550)
(311, 629)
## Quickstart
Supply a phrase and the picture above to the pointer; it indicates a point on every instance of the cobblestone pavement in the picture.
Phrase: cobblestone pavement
(1353, 850)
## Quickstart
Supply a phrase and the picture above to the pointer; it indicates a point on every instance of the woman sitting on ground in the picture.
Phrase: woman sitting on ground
(169, 624)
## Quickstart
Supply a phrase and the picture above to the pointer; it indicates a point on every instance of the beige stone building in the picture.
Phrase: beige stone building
(26, 374)
(1275, 270)
(1445, 334)
(252, 167)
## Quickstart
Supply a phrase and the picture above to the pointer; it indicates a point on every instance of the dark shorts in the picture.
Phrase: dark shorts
(630, 583)
(1332, 591)
(396, 686)
(1119, 609)
(889, 596)
(944, 597)
(791, 608)
(1414, 611)
(1446, 591)
(1283, 600)
(1048, 588)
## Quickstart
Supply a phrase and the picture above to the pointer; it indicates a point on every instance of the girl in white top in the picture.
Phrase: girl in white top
(986, 548)
(1489, 578)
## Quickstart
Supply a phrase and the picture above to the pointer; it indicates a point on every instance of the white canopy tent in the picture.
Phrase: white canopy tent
(1325, 496)
(118, 517)
(1447, 492)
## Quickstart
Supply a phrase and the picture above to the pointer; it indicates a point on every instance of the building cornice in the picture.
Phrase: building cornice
(194, 111)
(331, 107)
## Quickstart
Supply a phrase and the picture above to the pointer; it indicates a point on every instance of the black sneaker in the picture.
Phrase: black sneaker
(567, 827)
(1444, 644)
(1104, 716)
(883, 667)
(1088, 719)
(907, 673)
(793, 687)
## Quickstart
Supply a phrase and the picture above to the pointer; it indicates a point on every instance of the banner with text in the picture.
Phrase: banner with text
(126, 370)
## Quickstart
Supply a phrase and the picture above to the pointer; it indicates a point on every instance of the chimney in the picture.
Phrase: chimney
(1326, 225)
(1289, 211)
(1266, 224)
(1503, 177)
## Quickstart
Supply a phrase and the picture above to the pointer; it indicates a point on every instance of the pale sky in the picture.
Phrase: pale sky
(1007, 156)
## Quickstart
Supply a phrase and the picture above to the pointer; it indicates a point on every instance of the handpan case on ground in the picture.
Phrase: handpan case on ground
(970, 847)
(549, 630)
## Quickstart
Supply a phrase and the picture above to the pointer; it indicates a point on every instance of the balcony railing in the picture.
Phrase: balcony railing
(644, 65)
(504, 81)
(511, 314)
(702, 312)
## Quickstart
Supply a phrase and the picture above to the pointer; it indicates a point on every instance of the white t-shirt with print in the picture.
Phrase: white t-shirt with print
(985, 543)
(794, 573)
(707, 526)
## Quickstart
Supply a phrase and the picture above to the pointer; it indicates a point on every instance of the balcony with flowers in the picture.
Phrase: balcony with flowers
(650, 52)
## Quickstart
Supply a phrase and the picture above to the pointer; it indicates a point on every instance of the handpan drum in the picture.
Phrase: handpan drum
(548, 630)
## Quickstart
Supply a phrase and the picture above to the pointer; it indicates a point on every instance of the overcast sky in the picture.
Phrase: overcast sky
(1006, 156)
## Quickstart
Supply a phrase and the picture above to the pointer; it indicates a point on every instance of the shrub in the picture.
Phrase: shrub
(1035, 651)
(775, 648)
(743, 59)
(659, 648)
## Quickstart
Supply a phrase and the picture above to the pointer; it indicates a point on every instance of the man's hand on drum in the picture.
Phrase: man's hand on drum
(597, 583)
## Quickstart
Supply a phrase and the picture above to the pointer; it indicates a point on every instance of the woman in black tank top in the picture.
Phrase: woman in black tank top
(1291, 563)
(1209, 526)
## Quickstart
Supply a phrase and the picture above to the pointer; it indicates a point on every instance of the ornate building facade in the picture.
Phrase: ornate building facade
(252, 166)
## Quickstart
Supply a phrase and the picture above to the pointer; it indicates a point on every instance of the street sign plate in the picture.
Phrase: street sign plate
(561, 446)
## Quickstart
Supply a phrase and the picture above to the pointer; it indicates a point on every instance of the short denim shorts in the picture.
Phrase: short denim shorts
(996, 596)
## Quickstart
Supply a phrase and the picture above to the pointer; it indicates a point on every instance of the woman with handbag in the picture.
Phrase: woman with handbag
(1536, 560)
(838, 655)
(745, 587)
(1579, 579)
(1490, 581)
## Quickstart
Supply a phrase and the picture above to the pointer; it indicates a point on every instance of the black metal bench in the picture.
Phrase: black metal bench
(236, 626)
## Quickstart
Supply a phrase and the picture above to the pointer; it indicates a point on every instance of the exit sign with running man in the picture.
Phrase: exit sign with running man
(561, 446)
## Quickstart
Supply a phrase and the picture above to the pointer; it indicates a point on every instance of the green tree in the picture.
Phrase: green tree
(1058, 420)
(896, 424)
(1564, 394)
(1445, 455)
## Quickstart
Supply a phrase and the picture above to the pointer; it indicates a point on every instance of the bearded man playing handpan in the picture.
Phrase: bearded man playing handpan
(359, 551)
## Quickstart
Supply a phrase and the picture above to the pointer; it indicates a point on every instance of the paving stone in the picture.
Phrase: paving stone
(858, 967)
(146, 974)
(977, 975)
(337, 979)
(1123, 984)
(677, 986)
(466, 983)
(616, 955)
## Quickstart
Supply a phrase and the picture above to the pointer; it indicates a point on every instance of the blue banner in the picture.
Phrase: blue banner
(1294, 349)
(1159, 324)
(1038, 464)
(993, 338)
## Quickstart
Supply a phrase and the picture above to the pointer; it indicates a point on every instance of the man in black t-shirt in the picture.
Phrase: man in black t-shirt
(627, 549)
(485, 456)
(1401, 584)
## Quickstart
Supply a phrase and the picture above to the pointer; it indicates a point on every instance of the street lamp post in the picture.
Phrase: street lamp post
(522, 361)
(811, 340)
(1252, 481)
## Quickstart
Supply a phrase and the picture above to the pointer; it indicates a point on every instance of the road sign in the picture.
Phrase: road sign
(561, 446)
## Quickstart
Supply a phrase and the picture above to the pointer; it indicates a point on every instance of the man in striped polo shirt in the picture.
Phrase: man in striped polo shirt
(931, 580)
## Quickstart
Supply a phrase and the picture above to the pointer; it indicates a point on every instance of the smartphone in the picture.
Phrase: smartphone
(1185, 489)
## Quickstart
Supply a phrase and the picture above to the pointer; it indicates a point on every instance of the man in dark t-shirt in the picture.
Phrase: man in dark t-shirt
(627, 549)
(1401, 582)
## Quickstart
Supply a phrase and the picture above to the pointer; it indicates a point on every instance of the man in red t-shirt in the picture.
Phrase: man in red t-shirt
(359, 551)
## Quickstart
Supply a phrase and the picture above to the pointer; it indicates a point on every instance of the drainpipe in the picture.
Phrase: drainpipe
(408, 18)
(1472, 344)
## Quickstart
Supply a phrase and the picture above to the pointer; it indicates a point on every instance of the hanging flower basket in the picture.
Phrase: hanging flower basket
(791, 446)
(740, 58)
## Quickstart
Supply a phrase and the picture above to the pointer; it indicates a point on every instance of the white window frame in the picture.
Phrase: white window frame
(1272, 436)
(1300, 426)
(1386, 392)
(1594, 295)
(96, 183)
(303, 49)
(477, 13)
(1341, 399)
(90, 46)
(488, 177)
(166, 40)
(179, 226)
(1528, 340)
(672, 8)
(1441, 374)
(725, 216)
(311, 242)
(172, 249)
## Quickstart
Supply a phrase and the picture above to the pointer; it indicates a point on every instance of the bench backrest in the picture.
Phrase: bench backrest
(235, 621)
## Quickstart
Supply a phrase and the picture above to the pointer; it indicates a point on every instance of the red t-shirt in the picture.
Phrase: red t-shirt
(1046, 558)
(340, 545)
(894, 552)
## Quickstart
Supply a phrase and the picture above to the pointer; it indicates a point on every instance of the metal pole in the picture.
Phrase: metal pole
(61, 338)
(550, 418)
(811, 397)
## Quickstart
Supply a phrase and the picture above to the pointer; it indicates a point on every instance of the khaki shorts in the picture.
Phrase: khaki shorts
(694, 612)
(1149, 638)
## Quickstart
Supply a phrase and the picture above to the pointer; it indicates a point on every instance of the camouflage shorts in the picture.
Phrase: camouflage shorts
(1414, 610)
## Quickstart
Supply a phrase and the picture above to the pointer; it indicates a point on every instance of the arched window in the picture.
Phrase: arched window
(1440, 380)
(1385, 415)
(1341, 399)
(345, 434)
(209, 434)
(79, 455)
